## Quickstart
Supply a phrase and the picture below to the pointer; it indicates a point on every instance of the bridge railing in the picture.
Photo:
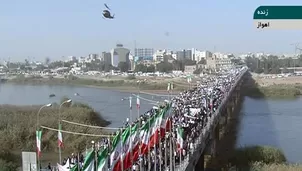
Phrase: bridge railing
(200, 143)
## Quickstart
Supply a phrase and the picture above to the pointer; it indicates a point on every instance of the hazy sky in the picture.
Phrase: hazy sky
(56, 28)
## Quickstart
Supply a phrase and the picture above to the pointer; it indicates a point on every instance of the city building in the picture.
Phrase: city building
(215, 63)
(158, 56)
(71, 59)
(144, 53)
(189, 69)
(119, 54)
(184, 54)
(202, 55)
(81, 60)
(106, 57)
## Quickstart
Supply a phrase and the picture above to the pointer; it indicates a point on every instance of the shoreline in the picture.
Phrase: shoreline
(156, 87)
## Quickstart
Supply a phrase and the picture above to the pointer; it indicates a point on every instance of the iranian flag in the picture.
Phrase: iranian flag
(102, 160)
(60, 137)
(134, 146)
(180, 138)
(115, 149)
(89, 161)
(120, 149)
(165, 125)
(145, 134)
(154, 139)
(38, 140)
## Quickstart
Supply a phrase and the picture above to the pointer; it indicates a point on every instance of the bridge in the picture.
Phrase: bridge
(206, 145)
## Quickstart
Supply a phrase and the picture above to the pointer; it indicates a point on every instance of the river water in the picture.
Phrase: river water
(264, 122)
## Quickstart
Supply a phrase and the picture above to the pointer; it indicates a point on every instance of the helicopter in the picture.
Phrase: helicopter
(107, 13)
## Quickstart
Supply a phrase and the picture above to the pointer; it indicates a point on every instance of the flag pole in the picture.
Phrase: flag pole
(121, 139)
(160, 153)
(140, 158)
(170, 132)
(149, 155)
(171, 149)
(165, 138)
(131, 143)
(78, 162)
(180, 151)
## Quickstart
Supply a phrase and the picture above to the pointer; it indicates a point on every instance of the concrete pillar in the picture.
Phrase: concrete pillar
(222, 126)
(215, 141)
(207, 158)
(200, 164)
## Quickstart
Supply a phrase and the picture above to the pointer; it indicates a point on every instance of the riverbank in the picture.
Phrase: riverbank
(274, 91)
(254, 87)
(129, 84)
(261, 158)
(18, 126)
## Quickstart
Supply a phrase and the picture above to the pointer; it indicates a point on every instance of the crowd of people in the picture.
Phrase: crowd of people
(190, 111)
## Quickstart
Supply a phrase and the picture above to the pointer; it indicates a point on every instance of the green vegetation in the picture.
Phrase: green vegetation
(265, 154)
(127, 84)
(18, 126)
(252, 89)
(272, 64)
(275, 167)
(274, 91)
(261, 158)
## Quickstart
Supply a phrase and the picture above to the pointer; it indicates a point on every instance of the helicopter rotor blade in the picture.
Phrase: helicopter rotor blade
(107, 6)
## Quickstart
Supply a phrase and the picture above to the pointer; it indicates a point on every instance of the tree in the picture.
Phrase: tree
(123, 66)
(202, 61)
(47, 60)
(151, 68)
(143, 68)
(164, 67)
(140, 68)
(197, 71)
(26, 62)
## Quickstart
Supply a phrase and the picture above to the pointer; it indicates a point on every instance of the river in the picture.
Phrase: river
(264, 122)
(107, 102)
(273, 122)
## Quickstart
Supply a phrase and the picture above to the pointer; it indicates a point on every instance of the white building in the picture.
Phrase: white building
(159, 55)
(71, 58)
(81, 59)
(202, 54)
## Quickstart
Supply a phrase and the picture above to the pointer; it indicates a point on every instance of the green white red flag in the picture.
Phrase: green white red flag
(38, 141)
(89, 161)
(180, 138)
(103, 160)
(134, 146)
(60, 137)
(120, 150)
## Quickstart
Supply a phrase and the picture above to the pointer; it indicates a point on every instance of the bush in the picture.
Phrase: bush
(131, 77)
(19, 122)
(264, 154)
(7, 166)
(258, 166)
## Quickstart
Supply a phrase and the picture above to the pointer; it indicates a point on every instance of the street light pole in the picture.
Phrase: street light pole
(37, 128)
(67, 101)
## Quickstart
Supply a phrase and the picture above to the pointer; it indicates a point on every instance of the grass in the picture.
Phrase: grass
(252, 89)
(18, 126)
(127, 83)
(261, 158)
(275, 167)
(265, 154)
(277, 91)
